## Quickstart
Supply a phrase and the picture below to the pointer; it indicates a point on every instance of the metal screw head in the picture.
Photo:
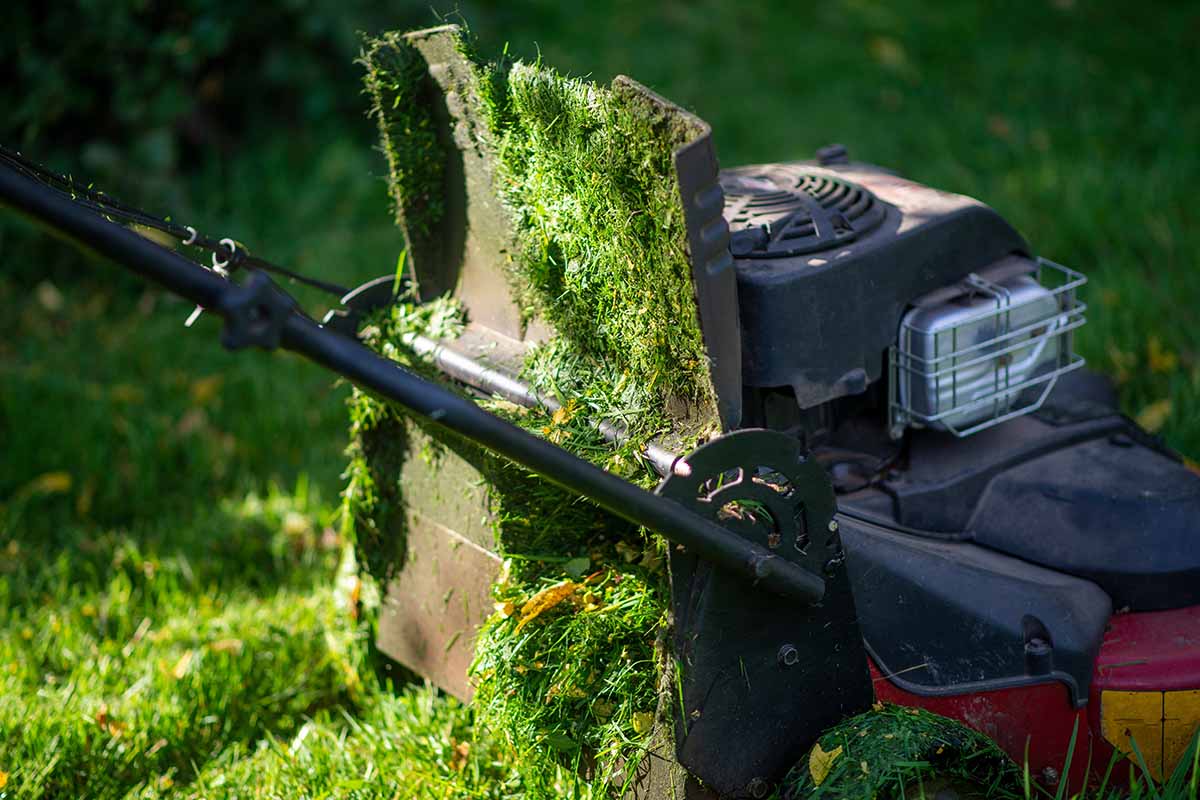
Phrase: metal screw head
(1037, 646)
(1050, 776)
(788, 655)
(834, 563)
(833, 526)
(758, 788)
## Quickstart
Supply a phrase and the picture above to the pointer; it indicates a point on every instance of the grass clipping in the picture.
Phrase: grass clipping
(588, 174)
(566, 670)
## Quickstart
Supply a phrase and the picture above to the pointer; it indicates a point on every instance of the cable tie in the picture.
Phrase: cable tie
(220, 267)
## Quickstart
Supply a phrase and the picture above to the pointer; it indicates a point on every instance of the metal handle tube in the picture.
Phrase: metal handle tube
(707, 539)
(474, 373)
(369, 370)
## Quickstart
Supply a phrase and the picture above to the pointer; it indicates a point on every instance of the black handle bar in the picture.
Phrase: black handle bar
(258, 312)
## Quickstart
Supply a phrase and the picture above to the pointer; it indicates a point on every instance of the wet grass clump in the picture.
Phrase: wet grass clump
(896, 752)
(395, 81)
(565, 669)
(588, 174)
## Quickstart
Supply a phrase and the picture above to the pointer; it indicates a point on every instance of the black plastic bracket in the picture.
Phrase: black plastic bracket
(760, 677)
(255, 313)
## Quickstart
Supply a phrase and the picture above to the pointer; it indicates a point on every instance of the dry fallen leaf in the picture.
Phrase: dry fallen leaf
(1160, 358)
(107, 724)
(545, 600)
(181, 666)
(888, 53)
(564, 413)
(48, 296)
(1155, 415)
(820, 762)
(48, 483)
(205, 389)
(458, 760)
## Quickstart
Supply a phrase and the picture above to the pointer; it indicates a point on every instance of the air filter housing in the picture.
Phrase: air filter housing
(985, 350)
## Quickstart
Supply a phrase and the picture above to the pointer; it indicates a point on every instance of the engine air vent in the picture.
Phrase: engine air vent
(788, 210)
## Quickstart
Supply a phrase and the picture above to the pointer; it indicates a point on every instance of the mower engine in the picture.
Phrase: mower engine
(839, 263)
(1009, 533)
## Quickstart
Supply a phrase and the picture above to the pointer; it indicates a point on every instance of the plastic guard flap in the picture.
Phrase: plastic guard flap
(760, 678)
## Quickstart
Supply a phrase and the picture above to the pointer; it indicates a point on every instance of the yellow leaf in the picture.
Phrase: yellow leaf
(181, 666)
(820, 762)
(1161, 359)
(1155, 415)
(3, 779)
(545, 600)
(505, 610)
(889, 53)
(205, 389)
(126, 393)
(49, 296)
(458, 759)
(49, 483)
(642, 721)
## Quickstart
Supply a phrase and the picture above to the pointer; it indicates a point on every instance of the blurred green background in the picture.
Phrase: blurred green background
(1075, 119)
(120, 429)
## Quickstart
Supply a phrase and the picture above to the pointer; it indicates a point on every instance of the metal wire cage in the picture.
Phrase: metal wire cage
(993, 354)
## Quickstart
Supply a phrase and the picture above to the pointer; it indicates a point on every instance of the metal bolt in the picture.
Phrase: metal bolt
(1050, 776)
(833, 526)
(1037, 646)
(758, 788)
(788, 655)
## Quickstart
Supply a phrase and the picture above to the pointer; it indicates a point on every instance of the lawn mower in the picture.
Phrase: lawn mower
(950, 511)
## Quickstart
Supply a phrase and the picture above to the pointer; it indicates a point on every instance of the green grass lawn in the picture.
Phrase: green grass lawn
(177, 611)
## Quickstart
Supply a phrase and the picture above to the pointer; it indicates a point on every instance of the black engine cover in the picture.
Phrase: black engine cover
(821, 295)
